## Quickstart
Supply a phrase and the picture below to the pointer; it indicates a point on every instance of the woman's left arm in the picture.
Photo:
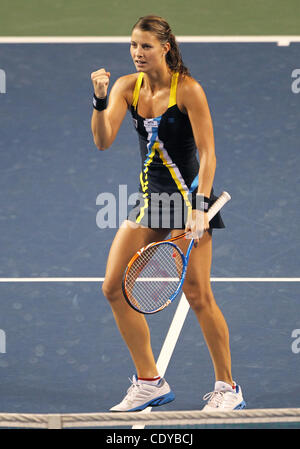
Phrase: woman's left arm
(195, 105)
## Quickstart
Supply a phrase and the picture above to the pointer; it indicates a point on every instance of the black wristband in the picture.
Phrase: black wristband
(99, 103)
(200, 202)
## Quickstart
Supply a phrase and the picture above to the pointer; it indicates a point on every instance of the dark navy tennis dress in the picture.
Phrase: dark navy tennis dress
(170, 167)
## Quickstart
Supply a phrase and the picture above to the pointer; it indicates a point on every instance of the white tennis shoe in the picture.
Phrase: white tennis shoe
(224, 398)
(139, 396)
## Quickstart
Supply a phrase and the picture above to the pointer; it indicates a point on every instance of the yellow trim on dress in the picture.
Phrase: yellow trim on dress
(137, 89)
(173, 90)
(144, 184)
(183, 192)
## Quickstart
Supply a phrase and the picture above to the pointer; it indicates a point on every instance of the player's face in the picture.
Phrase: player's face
(146, 51)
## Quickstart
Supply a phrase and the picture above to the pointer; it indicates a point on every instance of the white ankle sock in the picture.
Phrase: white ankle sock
(223, 386)
(149, 381)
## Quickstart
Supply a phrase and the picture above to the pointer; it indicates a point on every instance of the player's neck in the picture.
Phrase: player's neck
(157, 80)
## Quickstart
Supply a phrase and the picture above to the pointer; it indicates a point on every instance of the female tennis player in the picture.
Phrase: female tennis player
(174, 126)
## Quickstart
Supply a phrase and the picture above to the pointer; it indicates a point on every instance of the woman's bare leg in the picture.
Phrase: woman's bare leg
(197, 289)
(132, 325)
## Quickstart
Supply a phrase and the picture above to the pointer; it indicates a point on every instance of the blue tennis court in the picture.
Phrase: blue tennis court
(60, 349)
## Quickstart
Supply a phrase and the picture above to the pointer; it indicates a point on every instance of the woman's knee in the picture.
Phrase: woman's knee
(111, 290)
(199, 296)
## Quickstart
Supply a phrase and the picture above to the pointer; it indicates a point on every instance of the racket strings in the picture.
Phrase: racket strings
(154, 277)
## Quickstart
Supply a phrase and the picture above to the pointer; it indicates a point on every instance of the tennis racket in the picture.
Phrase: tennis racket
(155, 274)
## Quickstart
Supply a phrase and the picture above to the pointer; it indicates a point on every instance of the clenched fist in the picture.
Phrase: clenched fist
(100, 80)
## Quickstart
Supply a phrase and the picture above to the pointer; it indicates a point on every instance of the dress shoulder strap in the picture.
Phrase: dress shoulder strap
(137, 89)
(173, 90)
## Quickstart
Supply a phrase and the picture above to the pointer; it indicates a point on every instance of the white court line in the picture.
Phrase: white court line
(178, 319)
(101, 279)
(177, 322)
(169, 343)
(279, 40)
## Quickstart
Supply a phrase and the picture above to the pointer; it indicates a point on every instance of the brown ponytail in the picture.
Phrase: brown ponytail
(163, 33)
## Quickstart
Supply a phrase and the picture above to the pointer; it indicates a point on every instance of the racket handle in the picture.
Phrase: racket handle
(212, 211)
(218, 204)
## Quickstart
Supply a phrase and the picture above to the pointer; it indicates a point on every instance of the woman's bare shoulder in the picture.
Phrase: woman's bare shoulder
(188, 84)
(126, 82)
(188, 88)
(125, 85)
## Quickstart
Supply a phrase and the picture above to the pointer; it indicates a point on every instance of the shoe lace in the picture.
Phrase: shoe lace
(133, 388)
(214, 398)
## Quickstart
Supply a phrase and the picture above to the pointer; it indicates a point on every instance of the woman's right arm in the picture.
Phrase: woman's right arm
(106, 124)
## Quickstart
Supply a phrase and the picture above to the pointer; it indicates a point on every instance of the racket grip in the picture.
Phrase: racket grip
(212, 211)
(218, 204)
